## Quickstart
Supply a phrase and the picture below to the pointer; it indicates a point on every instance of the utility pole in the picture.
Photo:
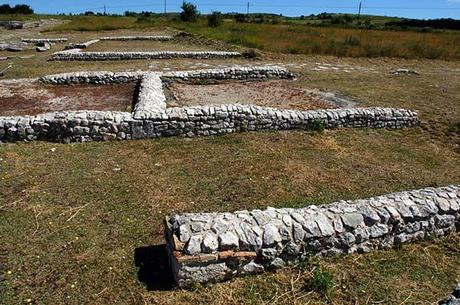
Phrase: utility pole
(247, 9)
(359, 11)
(105, 10)
(165, 7)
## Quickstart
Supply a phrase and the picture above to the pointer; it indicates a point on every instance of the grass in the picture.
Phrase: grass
(81, 221)
(303, 39)
(96, 23)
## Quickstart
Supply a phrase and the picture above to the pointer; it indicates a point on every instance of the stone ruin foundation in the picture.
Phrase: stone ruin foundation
(213, 247)
(152, 118)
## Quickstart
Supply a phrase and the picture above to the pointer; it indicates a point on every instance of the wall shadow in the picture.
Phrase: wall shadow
(154, 270)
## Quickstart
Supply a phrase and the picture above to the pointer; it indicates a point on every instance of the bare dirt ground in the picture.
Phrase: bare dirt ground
(21, 97)
(146, 46)
(277, 94)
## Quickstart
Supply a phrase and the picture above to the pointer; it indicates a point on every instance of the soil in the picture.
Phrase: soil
(25, 97)
(277, 94)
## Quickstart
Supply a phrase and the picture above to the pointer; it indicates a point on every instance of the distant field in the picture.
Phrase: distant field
(303, 39)
(296, 38)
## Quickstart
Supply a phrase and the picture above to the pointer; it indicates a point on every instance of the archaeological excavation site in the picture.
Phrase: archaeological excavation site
(161, 166)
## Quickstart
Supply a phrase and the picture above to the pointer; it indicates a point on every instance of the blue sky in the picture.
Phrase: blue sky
(405, 8)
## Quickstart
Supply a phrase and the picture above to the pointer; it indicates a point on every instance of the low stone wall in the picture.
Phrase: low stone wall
(231, 73)
(42, 40)
(78, 126)
(82, 45)
(76, 54)
(96, 77)
(212, 247)
(126, 38)
(151, 97)
(151, 118)
(454, 298)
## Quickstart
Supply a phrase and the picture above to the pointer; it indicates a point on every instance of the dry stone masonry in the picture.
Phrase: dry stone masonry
(127, 38)
(151, 118)
(41, 40)
(212, 247)
(232, 73)
(77, 54)
(151, 99)
(82, 45)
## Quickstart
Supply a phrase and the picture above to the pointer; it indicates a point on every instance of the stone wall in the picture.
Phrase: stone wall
(79, 126)
(126, 38)
(211, 247)
(230, 73)
(151, 118)
(151, 97)
(96, 77)
(42, 40)
(82, 45)
(76, 54)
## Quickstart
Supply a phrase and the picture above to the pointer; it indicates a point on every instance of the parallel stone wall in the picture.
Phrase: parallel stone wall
(127, 38)
(211, 247)
(231, 73)
(76, 54)
(96, 77)
(42, 40)
(81, 126)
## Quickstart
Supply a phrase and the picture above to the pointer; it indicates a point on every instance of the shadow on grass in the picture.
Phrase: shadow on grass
(154, 270)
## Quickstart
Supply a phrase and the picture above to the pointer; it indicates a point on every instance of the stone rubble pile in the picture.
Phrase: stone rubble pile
(212, 247)
(76, 54)
(43, 46)
(454, 298)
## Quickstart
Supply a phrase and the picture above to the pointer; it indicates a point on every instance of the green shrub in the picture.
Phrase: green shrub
(315, 126)
(215, 19)
(189, 12)
(320, 282)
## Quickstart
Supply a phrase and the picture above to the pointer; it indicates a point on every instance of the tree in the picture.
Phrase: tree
(215, 19)
(240, 18)
(5, 9)
(22, 9)
(189, 12)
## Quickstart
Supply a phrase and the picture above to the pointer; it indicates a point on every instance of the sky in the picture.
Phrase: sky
(424, 9)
